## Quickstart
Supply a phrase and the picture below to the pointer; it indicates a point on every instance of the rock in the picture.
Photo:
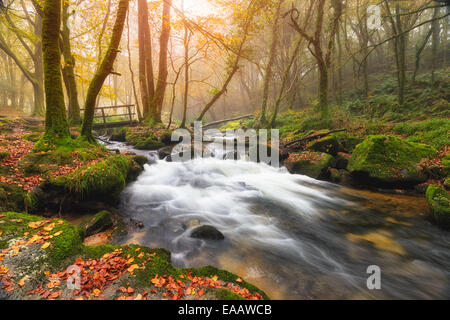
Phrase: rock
(166, 138)
(11, 197)
(349, 143)
(345, 178)
(165, 152)
(335, 175)
(439, 202)
(435, 172)
(389, 160)
(446, 164)
(119, 136)
(141, 160)
(311, 164)
(447, 183)
(149, 144)
(341, 160)
(207, 233)
(421, 188)
(330, 145)
(102, 221)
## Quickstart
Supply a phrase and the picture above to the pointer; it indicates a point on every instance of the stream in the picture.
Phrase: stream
(292, 236)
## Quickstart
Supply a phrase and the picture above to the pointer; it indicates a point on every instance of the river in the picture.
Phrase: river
(290, 235)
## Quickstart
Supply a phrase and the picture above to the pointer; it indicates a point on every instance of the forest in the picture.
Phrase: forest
(224, 149)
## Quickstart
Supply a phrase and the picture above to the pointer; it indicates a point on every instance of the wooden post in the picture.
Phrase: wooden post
(103, 115)
(129, 113)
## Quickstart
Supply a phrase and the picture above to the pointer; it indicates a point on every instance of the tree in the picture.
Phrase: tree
(161, 84)
(269, 65)
(68, 68)
(321, 55)
(56, 125)
(105, 69)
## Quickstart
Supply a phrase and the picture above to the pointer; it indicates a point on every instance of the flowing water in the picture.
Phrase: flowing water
(292, 236)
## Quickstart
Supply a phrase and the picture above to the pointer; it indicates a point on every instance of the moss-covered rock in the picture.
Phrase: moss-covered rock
(149, 144)
(439, 202)
(329, 144)
(104, 179)
(390, 160)
(141, 160)
(12, 197)
(311, 164)
(100, 222)
(341, 160)
(166, 138)
(446, 164)
(447, 183)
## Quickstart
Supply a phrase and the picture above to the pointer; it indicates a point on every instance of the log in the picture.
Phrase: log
(228, 120)
(313, 137)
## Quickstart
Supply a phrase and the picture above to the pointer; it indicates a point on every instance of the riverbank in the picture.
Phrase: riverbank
(72, 178)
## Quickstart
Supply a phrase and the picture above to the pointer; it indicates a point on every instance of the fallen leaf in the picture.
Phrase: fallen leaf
(45, 245)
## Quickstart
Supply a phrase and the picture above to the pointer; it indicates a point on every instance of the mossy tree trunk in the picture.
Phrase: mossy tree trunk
(158, 100)
(106, 67)
(55, 117)
(146, 80)
(68, 70)
(316, 40)
(269, 66)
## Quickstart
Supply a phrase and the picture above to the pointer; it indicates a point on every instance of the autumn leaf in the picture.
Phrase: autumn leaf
(132, 268)
(21, 282)
(45, 245)
(238, 280)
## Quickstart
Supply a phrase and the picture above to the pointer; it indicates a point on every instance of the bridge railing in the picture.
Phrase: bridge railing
(130, 114)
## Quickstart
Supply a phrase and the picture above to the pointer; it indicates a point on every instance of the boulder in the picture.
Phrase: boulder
(206, 232)
(311, 164)
(341, 160)
(102, 221)
(4, 155)
(328, 144)
(389, 160)
(439, 202)
(165, 152)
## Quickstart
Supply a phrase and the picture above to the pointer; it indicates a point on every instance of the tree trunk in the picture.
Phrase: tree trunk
(106, 67)
(161, 85)
(323, 91)
(68, 70)
(130, 67)
(435, 44)
(55, 117)
(142, 24)
(269, 65)
(186, 75)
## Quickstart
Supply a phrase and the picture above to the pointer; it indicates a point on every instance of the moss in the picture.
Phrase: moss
(4, 155)
(32, 137)
(166, 138)
(65, 247)
(390, 159)
(210, 271)
(227, 295)
(446, 163)
(312, 164)
(104, 179)
(100, 222)
(12, 197)
(433, 131)
(41, 162)
(439, 202)
(149, 144)
(329, 144)
(141, 160)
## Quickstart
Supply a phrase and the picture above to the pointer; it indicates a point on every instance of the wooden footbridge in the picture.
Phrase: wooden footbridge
(116, 120)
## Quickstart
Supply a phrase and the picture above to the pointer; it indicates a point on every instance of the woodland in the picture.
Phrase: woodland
(92, 91)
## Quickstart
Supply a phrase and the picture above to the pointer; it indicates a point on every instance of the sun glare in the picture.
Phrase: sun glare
(197, 7)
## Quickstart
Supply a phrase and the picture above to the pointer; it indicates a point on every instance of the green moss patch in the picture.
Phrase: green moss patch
(389, 159)
(439, 202)
(312, 164)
